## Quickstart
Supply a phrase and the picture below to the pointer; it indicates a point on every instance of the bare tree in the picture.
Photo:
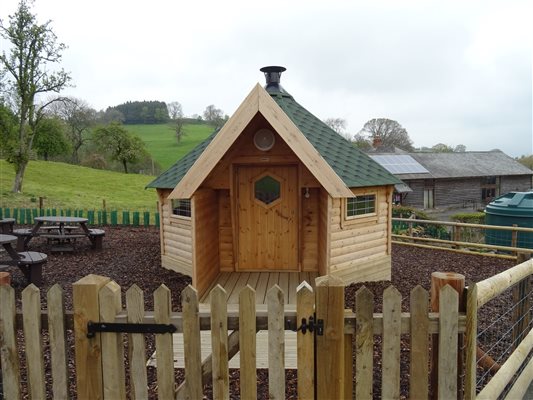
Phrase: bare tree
(388, 132)
(214, 116)
(337, 124)
(175, 110)
(79, 117)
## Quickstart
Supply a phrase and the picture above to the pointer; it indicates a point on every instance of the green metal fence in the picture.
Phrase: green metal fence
(95, 217)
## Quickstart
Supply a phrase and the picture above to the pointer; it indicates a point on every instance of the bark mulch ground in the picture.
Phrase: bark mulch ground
(131, 255)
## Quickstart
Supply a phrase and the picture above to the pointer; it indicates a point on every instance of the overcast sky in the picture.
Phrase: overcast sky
(449, 72)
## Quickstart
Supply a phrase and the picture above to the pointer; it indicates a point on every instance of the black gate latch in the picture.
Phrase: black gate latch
(310, 326)
(94, 327)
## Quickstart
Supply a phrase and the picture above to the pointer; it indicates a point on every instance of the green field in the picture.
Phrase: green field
(71, 186)
(161, 142)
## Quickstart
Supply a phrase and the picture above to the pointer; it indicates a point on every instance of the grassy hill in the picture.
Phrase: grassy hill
(70, 186)
(161, 142)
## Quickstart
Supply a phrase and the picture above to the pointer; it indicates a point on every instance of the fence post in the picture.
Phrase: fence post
(471, 342)
(438, 281)
(522, 305)
(88, 351)
(330, 345)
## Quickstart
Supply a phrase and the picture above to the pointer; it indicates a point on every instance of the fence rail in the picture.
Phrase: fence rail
(487, 240)
(95, 217)
(507, 361)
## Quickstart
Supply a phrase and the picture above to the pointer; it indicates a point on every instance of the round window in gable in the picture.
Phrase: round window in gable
(264, 139)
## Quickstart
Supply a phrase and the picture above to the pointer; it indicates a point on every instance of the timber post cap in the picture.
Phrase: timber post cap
(449, 276)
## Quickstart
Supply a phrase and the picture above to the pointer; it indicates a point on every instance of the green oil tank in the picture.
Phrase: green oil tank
(507, 210)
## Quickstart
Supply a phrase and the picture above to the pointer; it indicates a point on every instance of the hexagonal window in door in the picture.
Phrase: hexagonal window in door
(267, 189)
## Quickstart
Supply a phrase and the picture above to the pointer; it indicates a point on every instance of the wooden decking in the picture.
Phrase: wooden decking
(234, 282)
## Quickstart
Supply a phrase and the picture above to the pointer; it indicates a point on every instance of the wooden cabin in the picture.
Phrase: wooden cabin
(275, 189)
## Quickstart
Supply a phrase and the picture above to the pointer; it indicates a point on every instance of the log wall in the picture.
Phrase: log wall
(360, 247)
(176, 238)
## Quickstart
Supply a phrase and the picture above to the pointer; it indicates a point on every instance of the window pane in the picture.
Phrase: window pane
(267, 189)
(181, 207)
(361, 205)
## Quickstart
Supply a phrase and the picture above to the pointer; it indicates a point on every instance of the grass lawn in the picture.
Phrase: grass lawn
(71, 186)
(161, 141)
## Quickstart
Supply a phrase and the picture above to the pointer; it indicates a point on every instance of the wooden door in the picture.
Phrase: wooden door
(267, 218)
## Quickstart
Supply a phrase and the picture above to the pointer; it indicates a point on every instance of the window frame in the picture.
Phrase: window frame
(364, 215)
(187, 209)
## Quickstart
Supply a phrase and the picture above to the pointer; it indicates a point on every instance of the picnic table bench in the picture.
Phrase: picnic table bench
(29, 262)
(6, 225)
(60, 234)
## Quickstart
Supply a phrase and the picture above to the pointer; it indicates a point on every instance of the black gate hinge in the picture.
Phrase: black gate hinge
(95, 327)
(310, 325)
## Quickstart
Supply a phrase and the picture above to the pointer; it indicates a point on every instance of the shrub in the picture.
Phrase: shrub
(421, 230)
(469, 218)
(406, 212)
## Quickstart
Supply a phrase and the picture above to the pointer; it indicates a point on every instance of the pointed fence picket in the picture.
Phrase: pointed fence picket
(100, 360)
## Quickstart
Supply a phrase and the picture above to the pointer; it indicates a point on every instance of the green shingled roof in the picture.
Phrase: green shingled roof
(353, 166)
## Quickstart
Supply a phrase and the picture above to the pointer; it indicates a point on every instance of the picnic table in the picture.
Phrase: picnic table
(29, 262)
(60, 231)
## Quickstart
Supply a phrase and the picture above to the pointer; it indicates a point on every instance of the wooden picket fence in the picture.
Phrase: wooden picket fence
(337, 360)
(325, 361)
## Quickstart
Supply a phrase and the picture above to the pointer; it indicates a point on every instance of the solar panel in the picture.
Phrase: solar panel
(399, 164)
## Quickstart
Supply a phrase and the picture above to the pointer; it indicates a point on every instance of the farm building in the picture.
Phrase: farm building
(465, 179)
(275, 189)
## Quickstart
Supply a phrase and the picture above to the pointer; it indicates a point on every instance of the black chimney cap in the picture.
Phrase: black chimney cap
(273, 75)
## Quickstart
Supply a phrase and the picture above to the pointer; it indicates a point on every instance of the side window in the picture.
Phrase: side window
(181, 207)
(360, 206)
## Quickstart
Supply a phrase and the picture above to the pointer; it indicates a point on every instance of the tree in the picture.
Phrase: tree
(176, 114)
(389, 132)
(50, 138)
(442, 148)
(214, 116)
(109, 115)
(526, 160)
(29, 72)
(175, 110)
(361, 142)
(8, 130)
(337, 124)
(122, 145)
(80, 118)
